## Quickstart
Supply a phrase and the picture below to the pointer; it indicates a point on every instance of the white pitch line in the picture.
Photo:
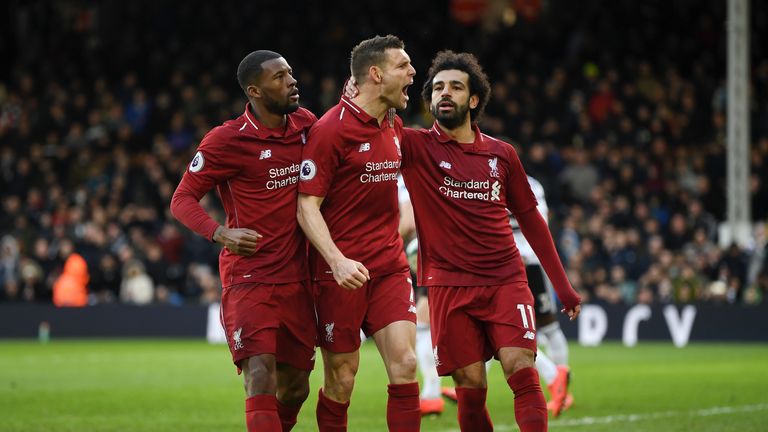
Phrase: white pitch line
(630, 418)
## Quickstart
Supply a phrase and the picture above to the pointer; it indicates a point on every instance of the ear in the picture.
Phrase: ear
(474, 101)
(253, 91)
(375, 74)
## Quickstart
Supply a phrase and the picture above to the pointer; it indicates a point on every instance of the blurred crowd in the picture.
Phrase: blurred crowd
(618, 112)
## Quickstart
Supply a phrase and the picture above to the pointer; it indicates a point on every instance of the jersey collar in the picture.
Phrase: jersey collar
(351, 107)
(480, 145)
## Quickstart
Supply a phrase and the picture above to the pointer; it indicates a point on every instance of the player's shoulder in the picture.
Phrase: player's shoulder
(415, 132)
(303, 117)
(337, 123)
(224, 134)
(332, 119)
(499, 146)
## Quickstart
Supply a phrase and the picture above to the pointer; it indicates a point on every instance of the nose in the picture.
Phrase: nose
(291, 81)
(412, 71)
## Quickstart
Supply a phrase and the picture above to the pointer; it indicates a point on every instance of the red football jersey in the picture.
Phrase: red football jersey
(256, 173)
(352, 162)
(460, 195)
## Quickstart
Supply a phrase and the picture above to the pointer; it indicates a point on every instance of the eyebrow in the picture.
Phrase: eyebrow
(449, 82)
(288, 70)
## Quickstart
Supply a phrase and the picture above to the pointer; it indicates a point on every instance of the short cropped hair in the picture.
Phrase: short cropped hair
(372, 52)
(250, 67)
(465, 62)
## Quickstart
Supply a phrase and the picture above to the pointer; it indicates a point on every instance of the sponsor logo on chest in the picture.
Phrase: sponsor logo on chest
(483, 189)
(281, 177)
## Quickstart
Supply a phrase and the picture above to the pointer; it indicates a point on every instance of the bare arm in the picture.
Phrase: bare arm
(348, 273)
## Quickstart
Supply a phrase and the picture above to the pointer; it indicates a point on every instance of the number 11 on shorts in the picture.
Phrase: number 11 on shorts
(521, 308)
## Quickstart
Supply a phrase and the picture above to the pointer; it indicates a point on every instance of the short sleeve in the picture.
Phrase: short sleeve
(321, 157)
(215, 162)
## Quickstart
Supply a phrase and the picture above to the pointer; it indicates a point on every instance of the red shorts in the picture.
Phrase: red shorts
(471, 324)
(274, 319)
(342, 313)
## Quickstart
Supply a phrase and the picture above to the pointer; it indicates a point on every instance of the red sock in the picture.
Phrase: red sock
(403, 413)
(261, 414)
(473, 415)
(530, 406)
(331, 415)
(288, 414)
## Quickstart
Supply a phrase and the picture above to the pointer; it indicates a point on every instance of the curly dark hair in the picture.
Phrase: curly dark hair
(371, 52)
(465, 62)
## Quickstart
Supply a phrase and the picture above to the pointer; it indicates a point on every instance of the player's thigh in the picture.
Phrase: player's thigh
(396, 344)
(509, 320)
(390, 299)
(249, 316)
(422, 310)
(297, 334)
(340, 314)
(458, 338)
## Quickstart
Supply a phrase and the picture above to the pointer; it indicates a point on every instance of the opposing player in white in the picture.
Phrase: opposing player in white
(553, 369)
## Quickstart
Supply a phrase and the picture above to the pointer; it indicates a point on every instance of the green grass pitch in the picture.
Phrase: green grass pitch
(175, 385)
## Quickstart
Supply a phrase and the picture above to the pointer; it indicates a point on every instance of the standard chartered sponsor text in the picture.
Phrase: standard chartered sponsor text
(372, 174)
(469, 190)
(292, 171)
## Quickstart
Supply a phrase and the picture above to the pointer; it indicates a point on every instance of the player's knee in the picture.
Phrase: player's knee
(462, 378)
(342, 379)
(294, 394)
(403, 368)
(515, 360)
(259, 376)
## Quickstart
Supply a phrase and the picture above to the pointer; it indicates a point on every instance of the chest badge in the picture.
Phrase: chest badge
(397, 145)
(493, 164)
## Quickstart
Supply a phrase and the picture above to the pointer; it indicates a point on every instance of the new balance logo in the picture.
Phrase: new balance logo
(364, 147)
(529, 335)
(437, 359)
(329, 332)
(444, 164)
(237, 343)
(412, 309)
(265, 154)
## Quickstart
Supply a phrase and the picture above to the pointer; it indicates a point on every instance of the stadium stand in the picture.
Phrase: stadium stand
(620, 116)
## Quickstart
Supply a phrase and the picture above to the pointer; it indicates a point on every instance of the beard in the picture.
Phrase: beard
(281, 108)
(450, 120)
